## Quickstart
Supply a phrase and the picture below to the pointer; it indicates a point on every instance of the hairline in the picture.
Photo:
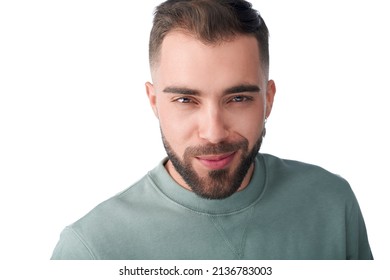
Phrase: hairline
(154, 63)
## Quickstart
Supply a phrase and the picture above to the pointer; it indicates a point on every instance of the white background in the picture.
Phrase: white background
(76, 127)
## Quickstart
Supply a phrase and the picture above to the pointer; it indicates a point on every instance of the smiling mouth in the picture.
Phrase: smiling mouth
(216, 161)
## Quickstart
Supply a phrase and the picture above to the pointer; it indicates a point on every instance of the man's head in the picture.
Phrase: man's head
(210, 91)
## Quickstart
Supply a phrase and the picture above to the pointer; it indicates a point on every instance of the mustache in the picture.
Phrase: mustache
(213, 149)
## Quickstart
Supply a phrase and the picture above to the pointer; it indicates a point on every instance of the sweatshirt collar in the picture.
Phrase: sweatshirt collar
(239, 201)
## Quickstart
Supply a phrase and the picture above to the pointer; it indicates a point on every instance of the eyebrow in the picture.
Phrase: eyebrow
(181, 90)
(242, 88)
(232, 90)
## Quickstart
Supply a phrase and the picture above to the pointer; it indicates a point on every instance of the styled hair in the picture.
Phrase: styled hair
(210, 21)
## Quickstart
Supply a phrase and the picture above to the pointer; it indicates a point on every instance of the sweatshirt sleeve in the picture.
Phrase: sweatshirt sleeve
(71, 247)
(358, 247)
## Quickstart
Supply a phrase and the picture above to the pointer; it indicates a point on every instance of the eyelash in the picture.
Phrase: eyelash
(187, 100)
(243, 97)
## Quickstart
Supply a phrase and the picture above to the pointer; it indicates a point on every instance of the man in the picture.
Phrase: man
(215, 196)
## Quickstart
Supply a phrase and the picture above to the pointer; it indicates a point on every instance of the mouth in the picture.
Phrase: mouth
(216, 162)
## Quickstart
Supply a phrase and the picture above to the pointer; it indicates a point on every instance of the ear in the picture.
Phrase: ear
(271, 90)
(150, 92)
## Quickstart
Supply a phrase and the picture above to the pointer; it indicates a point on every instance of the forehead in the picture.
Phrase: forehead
(184, 60)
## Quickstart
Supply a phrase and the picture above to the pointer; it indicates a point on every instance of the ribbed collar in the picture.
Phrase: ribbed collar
(235, 203)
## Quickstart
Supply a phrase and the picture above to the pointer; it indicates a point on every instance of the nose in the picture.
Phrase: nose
(213, 125)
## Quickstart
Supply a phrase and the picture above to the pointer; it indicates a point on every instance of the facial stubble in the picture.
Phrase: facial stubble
(217, 184)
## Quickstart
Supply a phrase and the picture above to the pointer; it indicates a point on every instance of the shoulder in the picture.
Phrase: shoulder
(305, 178)
(286, 169)
(127, 201)
(125, 205)
(101, 230)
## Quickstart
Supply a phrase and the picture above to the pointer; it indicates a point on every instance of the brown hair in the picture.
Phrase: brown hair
(211, 21)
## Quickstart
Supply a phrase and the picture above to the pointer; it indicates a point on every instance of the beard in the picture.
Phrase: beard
(217, 184)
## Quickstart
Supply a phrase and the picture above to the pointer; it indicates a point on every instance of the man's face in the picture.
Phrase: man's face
(211, 102)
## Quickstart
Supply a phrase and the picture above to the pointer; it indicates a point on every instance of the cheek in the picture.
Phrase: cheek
(178, 130)
(249, 123)
(251, 131)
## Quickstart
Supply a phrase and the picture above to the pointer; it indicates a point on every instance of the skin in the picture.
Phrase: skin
(205, 95)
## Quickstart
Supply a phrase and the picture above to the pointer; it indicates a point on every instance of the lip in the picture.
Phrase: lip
(216, 161)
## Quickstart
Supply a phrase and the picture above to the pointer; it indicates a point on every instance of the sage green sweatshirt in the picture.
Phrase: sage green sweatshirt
(289, 210)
